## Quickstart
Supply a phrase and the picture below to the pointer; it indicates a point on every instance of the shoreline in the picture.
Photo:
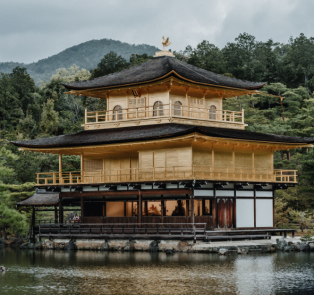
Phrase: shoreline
(169, 246)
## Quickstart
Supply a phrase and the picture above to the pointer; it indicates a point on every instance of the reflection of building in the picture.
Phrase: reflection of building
(164, 138)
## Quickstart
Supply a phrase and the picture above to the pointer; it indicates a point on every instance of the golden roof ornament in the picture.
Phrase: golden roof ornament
(165, 43)
(164, 52)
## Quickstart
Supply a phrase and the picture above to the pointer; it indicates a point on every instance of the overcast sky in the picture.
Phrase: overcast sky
(35, 29)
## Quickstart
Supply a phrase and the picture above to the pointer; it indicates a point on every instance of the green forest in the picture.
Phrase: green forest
(28, 111)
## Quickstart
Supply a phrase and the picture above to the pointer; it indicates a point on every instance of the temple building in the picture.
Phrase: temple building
(165, 152)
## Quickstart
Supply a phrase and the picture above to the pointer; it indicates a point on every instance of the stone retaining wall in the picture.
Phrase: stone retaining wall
(169, 247)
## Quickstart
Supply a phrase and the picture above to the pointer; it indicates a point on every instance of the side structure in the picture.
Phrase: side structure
(166, 152)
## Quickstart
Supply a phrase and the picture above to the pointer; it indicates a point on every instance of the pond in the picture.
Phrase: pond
(95, 272)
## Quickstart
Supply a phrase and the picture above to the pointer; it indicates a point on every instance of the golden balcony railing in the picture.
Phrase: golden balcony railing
(167, 174)
(166, 110)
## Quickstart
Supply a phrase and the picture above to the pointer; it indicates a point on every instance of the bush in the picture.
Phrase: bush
(307, 238)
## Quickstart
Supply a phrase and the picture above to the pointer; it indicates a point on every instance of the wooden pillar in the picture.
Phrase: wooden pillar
(60, 168)
(124, 208)
(56, 214)
(254, 208)
(146, 208)
(192, 210)
(60, 211)
(33, 225)
(187, 209)
(273, 198)
(162, 210)
(105, 209)
(82, 167)
(139, 208)
(214, 212)
(82, 209)
(235, 213)
(253, 172)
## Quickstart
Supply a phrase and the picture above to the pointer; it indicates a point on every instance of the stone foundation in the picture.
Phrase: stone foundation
(172, 246)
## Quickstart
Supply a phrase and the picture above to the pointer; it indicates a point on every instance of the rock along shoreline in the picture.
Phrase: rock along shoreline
(169, 247)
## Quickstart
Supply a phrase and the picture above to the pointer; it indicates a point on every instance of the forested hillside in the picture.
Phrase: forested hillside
(85, 55)
(28, 111)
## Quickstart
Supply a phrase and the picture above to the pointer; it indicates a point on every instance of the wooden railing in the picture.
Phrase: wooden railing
(166, 110)
(124, 230)
(164, 174)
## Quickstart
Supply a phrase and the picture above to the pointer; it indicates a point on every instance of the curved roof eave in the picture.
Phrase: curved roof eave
(161, 78)
(153, 132)
(159, 68)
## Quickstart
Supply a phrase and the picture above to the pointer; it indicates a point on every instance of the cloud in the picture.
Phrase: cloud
(34, 29)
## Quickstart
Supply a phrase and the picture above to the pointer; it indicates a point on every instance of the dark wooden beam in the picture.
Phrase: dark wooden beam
(56, 214)
(146, 208)
(254, 208)
(214, 212)
(235, 213)
(82, 207)
(192, 210)
(125, 193)
(139, 208)
(60, 211)
(187, 207)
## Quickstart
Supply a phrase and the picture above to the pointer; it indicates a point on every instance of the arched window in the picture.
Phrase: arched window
(158, 109)
(212, 112)
(178, 108)
(117, 113)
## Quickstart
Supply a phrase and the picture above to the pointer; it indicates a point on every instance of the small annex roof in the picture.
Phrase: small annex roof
(153, 132)
(44, 199)
(159, 68)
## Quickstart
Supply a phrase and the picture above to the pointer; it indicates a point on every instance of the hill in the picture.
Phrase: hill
(85, 55)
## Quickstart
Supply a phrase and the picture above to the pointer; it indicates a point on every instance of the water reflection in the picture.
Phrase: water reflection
(88, 272)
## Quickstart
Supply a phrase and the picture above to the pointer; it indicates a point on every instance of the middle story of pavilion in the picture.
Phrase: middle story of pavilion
(139, 174)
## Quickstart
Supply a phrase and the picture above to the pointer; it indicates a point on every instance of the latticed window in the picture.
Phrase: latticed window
(117, 113)
(196, 103)
(137, 102)
(212, 112)
(158, 109)
(178, 108)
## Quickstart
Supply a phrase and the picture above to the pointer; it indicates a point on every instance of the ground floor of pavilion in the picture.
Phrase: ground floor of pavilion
(129, 210)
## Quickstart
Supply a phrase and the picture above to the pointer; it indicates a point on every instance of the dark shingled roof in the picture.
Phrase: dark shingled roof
(41, 200)
(152, 132)
(159, 67)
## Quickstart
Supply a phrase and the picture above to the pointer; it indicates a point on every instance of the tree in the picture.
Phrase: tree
(207, 56)
(10, 107)
(298, 63)
(49, 118)
(137, 59)
(9, 217)
(111, 63)
(250, 60)
(24, 86)
(73, 74)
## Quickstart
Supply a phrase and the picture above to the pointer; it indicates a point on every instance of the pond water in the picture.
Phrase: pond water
(88, 272)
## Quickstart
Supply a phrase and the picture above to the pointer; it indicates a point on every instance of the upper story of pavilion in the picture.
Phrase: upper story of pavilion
(163, 90)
